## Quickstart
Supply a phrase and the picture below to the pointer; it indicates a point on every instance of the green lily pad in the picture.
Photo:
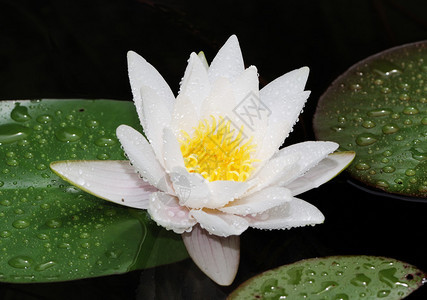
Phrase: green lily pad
(378, 108)
(335, 277)
(52, 231)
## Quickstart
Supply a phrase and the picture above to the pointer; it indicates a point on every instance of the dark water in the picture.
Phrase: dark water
(67, 49)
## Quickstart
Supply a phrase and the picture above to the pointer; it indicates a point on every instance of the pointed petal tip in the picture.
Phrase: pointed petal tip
(305, 70)
(132, 55)
(233, 38)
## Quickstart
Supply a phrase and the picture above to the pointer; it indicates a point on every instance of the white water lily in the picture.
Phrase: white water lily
(212, 167)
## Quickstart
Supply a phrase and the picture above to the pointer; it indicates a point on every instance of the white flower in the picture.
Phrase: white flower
(212, 167)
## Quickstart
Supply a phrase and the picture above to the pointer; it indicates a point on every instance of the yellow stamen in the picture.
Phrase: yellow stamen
(217, 151)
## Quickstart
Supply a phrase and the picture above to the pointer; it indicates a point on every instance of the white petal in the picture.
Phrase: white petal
(295, 213)
(203, 59)
(284, 115)
(157, 117)
(171, 151)
(282, 167)
(191, 188)
(249, 108)
(285, 98)
(327, 169)
(228, 62)
(246, 83)
(218, 257)
(310, 154)
(225, 191)
(220, 224)
(184, 117)
(259, 202)
(166, 211)
(195, 84)
(141, 73)
(114, 180)
(290, 83)
(220, 101)
(141, 155)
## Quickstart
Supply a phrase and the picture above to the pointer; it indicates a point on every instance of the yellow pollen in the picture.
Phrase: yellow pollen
(217, 151)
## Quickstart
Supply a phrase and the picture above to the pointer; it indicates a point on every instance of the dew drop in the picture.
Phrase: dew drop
(21, 262)
(410, 110)
(64, 246)
(366, 139)
(5, 234)
(45, 266)
(385, 68)
(341, 119)
(53, 223)
(10, 133)
(84, 235)
(103, 156)
(410, 172)
(390, 128)
(337, 128)
(45, 206)
(113, 254)
(383, 293)
(44, 119)
(5, 202)
(355, 87)
(20, 224)
(361, 280)
(418, 154)
(41, 167)
(382, 184)
(105, 142)
(19, 211)
(43, 236)
(69, 134)
(84, 256)
(405, 86)
(85, 245)
(362, 166)
(12, 162)
(92, 123)
(379, 112)
(20, 113)
(385, 90)
(404, 97)
(368, 124)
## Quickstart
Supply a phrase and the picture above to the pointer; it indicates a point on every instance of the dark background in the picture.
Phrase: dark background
(77, 49)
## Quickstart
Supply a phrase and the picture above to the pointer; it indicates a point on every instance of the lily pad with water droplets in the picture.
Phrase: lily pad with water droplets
(378, 108)
(52, 231)
(335, 277)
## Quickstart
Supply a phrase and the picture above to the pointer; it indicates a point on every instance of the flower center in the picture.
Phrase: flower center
(217, 151)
